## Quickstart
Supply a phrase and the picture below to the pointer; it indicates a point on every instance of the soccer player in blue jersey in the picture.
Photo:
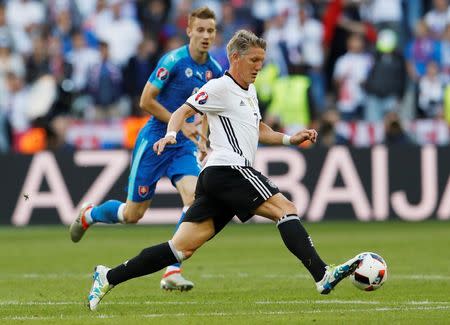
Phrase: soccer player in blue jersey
(178, 75)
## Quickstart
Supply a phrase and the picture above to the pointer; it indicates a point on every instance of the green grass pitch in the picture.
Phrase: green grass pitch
(244, 276)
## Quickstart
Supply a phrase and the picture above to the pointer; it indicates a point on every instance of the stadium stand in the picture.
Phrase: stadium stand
(71, 71)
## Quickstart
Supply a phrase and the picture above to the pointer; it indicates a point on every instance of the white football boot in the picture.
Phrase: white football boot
(80, 225)
(175, 281)
(335, 274)
(100, 286)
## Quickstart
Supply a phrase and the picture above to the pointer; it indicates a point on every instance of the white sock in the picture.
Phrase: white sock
(87, 216)
(120, 213)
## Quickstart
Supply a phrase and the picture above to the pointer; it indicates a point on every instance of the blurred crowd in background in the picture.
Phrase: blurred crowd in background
(360, 71)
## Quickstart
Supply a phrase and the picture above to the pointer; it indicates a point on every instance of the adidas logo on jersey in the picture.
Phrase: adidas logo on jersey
(242, 103)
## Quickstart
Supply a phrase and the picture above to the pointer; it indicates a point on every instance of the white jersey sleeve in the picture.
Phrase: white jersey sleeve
(209, 98)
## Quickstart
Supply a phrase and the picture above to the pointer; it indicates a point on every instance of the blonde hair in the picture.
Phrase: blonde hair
(242, 41)
(201, 13)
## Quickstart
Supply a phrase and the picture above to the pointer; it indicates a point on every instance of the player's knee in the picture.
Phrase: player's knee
(290, 208)
(181, 253)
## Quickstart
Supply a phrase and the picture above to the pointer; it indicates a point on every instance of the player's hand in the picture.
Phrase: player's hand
(307, 134)
(160, 145)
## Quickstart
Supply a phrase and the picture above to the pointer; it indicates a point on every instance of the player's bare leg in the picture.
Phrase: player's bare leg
(134, 211)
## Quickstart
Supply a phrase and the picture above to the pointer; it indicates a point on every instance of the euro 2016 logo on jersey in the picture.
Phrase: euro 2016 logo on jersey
(162, 73)
(201, 98)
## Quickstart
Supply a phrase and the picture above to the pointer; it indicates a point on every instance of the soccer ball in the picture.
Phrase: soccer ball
(371, 272)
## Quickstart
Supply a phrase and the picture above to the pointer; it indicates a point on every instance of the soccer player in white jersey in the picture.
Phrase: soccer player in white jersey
(228, 185)
(179, 74)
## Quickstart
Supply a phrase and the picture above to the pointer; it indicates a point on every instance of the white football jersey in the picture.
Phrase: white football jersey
(233, 118)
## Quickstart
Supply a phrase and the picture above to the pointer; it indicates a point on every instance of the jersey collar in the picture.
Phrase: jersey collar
(192, 59)
(229, 75)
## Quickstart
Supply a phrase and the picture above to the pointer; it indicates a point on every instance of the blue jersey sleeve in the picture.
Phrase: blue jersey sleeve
(163, 71)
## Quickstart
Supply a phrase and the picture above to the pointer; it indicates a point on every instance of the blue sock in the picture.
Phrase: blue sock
(178, 265)
(180, 221)
(106, 212)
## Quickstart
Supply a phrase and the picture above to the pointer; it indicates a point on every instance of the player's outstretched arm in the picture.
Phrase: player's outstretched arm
(175, 124)
(271, 137)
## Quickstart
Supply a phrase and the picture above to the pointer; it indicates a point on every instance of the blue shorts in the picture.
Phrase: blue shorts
(147, 167)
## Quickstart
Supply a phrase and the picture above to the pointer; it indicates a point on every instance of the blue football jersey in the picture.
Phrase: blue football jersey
(178, 76)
